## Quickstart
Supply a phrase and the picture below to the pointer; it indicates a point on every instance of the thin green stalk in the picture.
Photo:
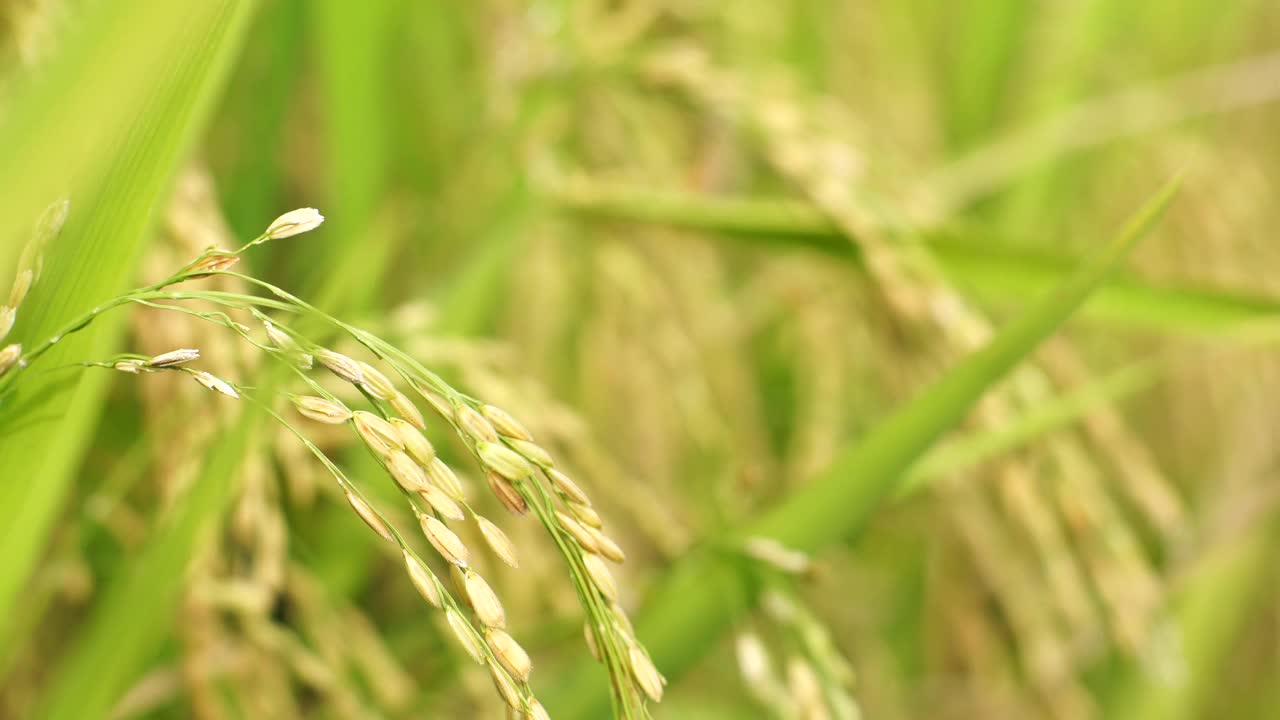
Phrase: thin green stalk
(993, 271)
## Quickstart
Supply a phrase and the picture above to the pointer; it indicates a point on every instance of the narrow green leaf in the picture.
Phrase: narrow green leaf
(994, 272)
(703, 593)
(1178, 679)
(132, 619)
(164, 98)
(354, 59)
(968, 451)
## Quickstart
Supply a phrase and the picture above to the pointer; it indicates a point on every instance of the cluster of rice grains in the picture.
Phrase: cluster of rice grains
(520, 473)
(816, 680)
(1038, 545)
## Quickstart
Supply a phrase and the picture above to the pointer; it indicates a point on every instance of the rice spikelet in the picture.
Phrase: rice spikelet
(405, 408)
(321, 409)
(440, 502)
(600, 576)
(484, 601)
(405, 471)
(378, 385)
(474, 424)
(503, 460)
(498, 541)
(444, 540)
(378, 434)
(443, 477)
(340, 365)
(422, 579)
(506, 493)
(414, 442)
(506, 425)
(509, 653)
(369, 517)
(646, 675)
(466, 636)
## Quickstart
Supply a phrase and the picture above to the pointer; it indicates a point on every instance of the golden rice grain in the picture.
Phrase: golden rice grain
(378, 434)
(422, 579)
(21, 286)
(498, 541)
(577, 530)
(646, 675)
(9, 357)
(503, 460)
(506, 493)
(443, 477)
(568, 487)
(293, 223)
(600, 576)
(586, 514)
(414, 442)
(509, 653)
(506, 688)
(340, 365)
(474, 424)
(321, 409)
(8, 316)
(506, 425)
(369, 517)
(533, 452)
(444, 540)
(375, 382)
(440, 502)
(405, 408)
(484, 601)
(466, 636)
(215, 384)
(406, 472)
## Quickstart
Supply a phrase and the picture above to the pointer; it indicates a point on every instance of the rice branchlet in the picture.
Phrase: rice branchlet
(520, 474)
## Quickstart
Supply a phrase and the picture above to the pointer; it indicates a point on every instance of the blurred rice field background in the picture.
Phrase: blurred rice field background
(734, 264)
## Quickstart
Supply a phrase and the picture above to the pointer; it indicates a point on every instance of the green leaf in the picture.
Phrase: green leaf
(131, 619)
(971, 450)
(356, 72)
(993, 272)
(1180, 678)
(703, 594)
(111, 118)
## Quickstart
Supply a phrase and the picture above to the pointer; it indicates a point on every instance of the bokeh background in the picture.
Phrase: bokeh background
(702, 249)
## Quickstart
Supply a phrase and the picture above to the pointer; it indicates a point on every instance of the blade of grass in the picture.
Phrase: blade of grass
(351, 40)
(165, 92)
(130, 621)
(1209, 613)
(704, 593)
(243, 149)
(994, 272)
(972, 450)
(1126, 114)
(978, 77)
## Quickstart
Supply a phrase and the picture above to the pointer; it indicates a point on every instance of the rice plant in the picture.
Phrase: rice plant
(795, 360)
